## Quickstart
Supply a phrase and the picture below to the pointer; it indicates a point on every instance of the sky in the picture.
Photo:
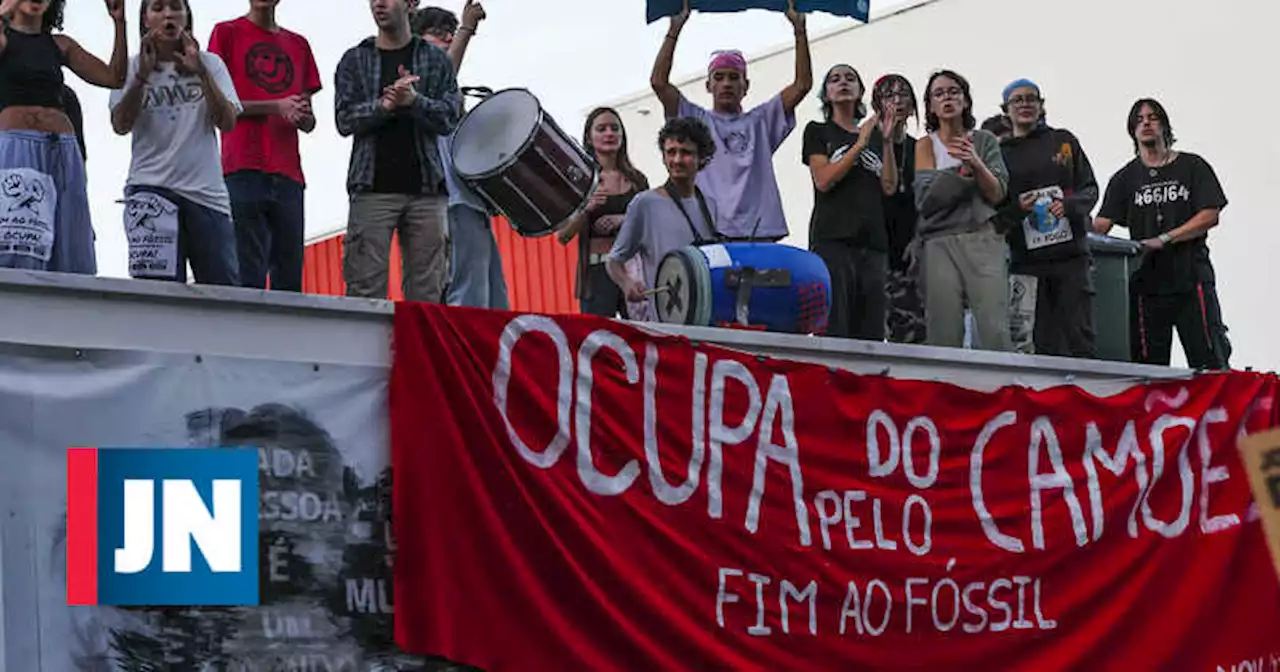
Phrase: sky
(608, 55)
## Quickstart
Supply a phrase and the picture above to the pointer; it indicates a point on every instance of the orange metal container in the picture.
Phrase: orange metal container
(539, 271)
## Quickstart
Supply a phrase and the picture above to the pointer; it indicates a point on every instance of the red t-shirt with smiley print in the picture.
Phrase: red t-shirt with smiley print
(264, 65)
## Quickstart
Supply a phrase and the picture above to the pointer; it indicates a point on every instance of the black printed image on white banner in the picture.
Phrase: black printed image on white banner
(28, 203)
(151, 224)
(1041, 228)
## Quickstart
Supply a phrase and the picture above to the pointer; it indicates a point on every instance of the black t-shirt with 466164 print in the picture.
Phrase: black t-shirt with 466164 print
(1151, 201)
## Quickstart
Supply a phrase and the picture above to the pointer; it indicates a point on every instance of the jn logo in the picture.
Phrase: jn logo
(135, 518)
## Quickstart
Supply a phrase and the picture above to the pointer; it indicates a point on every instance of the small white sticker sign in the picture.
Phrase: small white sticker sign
(717, 256)
(1043, 231)
(28, 204)
(151, 225)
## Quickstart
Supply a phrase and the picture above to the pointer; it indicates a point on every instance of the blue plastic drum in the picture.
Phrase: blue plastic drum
(749, 285)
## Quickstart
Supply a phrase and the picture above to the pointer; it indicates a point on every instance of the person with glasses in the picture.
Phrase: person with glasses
(1052, 191)
(904, 319)
(960, 179)
(741, 178)
(475, 265)
(1169, 200)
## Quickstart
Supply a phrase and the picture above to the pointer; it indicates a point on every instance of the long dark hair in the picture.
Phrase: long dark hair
(52, 19)
(859, 108)
(635, 177)
(142, 18)
(931, 122)
(1166, 129)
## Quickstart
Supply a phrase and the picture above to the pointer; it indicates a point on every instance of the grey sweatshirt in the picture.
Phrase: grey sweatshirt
(951, 203)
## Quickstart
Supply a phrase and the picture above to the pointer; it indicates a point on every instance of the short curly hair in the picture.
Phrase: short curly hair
(434, 19)
(689, 129)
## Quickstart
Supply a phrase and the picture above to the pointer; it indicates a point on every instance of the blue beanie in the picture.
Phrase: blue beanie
(1017, 84)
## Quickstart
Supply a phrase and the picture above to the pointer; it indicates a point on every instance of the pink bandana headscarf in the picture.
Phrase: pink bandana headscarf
(727, 60)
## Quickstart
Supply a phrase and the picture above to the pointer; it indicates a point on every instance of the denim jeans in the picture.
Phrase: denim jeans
(475, 278)
(206, 239)
(268, 212)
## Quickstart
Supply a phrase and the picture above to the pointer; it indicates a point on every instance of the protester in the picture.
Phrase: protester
(847, 228)
(276, 76)
(1169, 200)
(960, 178)
(669, 217)
(175, 187)
(904, 321)
(475, 277)
(42, 170)
(1051, 194)
(596, 227)
(396, 95)
(741, 178)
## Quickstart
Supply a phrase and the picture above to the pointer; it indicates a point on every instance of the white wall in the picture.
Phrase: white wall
(1092, 59)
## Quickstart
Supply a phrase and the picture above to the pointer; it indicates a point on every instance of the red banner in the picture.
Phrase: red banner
(578, 494)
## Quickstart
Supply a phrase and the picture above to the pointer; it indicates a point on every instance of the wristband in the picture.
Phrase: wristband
(467, 29)
(1166, 238)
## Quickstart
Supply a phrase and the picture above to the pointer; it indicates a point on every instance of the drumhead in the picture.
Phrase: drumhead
(687, 277)
(491, 135)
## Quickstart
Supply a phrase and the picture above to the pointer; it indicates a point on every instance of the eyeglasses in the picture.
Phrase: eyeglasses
(943, 94)
(1024, 100)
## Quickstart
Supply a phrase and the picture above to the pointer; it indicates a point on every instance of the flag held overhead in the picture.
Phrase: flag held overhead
(854, 9)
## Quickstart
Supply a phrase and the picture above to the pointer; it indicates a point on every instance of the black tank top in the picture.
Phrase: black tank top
(31, 70)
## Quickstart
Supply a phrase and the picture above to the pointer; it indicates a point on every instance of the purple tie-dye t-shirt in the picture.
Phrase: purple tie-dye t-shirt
(740, 178)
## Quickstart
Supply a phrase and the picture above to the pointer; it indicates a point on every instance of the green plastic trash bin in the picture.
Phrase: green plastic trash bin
(1114, 261)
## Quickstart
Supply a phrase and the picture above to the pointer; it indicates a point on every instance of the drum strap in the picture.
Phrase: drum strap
(702, 205)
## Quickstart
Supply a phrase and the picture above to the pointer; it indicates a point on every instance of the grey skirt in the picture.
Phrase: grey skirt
(44, 204)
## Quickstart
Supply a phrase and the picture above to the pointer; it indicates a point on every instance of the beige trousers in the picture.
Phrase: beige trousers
(421, 221)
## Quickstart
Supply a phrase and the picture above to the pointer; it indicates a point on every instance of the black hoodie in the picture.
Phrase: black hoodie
(1047, 158)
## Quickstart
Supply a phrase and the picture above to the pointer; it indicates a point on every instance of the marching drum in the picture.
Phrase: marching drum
(513, 154)
(755, 285)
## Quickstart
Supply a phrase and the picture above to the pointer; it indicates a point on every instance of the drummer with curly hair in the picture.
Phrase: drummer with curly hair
(669, 217)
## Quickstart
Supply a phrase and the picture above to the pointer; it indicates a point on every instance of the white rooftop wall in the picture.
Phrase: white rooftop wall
(1092, 58)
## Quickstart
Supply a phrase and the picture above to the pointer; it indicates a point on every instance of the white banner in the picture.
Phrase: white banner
(322, 434)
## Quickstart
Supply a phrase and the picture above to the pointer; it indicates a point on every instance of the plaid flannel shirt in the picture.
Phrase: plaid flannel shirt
(436, 110)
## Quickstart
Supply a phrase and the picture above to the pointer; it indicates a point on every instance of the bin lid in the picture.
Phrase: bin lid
(1102, 244)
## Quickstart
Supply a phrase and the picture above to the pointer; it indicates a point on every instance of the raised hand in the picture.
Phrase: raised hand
(147, 55)
(796, 18)
(189, 55)
(7, 7)
(472, 14)
(678, 20)
(887, 120)
(116, 9)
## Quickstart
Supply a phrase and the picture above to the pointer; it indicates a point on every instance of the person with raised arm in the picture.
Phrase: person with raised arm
(475, 266)
(396, 96)
(276, 76)
(847, 228)
(741, 178)
(960, 179)
(44, 202)
(176, 101)
(1169, 200)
